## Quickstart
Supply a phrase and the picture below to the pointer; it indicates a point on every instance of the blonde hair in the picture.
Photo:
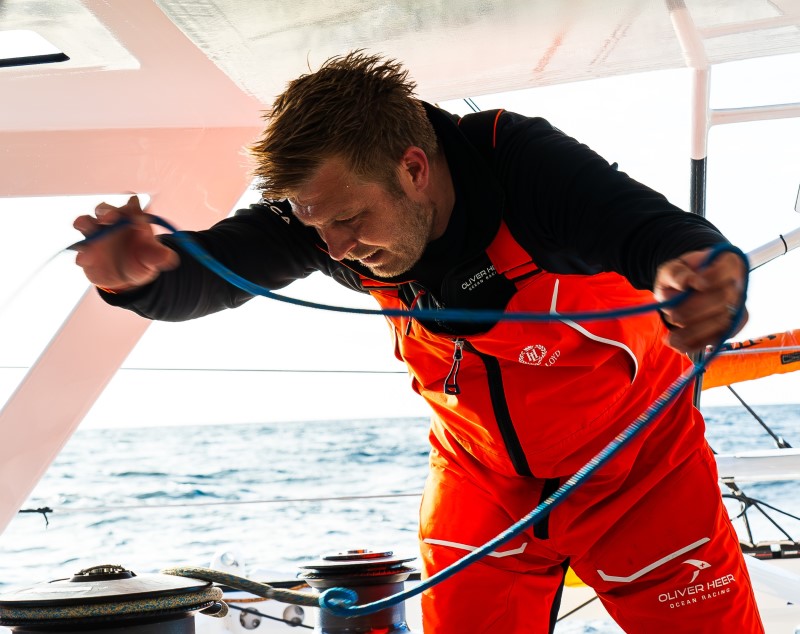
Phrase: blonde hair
(358, 107)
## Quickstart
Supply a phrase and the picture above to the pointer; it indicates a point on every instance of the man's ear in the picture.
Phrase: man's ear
(415, 168)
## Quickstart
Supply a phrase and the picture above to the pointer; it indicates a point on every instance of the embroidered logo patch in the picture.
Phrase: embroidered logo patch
(533, 355)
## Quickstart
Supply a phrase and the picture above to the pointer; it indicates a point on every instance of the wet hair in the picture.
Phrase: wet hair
(357, 107)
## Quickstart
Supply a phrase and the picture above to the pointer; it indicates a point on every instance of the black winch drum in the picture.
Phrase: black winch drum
(108, 599)
(374, 576)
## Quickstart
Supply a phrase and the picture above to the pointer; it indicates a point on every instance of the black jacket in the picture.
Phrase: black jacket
(570, 209)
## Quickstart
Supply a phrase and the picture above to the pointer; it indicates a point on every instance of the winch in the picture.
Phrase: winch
(374, 576)
(110, 599)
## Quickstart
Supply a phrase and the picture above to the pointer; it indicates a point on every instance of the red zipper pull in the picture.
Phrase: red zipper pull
(451, 382)
(413, 303)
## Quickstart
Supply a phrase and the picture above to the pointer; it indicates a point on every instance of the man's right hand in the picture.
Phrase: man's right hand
(126, 258)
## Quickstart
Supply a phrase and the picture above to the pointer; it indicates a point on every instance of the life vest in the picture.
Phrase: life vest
(534, 398)
(526, 397)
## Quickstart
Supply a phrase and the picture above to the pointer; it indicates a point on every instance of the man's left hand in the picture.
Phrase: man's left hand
(706, 313)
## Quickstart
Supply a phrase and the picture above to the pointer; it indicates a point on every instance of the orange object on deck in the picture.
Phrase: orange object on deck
(745, 360)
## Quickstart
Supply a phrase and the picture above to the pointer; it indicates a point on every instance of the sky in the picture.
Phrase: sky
(640, 121)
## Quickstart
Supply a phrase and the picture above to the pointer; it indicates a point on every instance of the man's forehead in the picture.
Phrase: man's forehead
(321, 206)
(330, 182)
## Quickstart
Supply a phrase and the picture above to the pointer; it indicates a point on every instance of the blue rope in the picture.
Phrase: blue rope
(341, 601)
(199, 253)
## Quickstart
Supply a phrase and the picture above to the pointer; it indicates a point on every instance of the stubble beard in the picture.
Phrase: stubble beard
(413, 234)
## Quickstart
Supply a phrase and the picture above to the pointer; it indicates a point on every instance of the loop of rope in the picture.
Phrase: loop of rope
(341, 601)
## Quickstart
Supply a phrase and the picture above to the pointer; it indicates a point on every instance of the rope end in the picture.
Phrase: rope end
(338, 601)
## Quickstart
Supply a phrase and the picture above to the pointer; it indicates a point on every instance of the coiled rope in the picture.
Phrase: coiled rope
(208, 601)
(341, 601)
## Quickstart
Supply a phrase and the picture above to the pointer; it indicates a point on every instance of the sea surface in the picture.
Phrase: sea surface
(274, 496)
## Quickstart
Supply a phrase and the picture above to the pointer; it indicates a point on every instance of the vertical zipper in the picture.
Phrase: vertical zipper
(451, 381)
(497, 395)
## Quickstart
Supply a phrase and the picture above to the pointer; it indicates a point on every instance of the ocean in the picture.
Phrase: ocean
(275, 495)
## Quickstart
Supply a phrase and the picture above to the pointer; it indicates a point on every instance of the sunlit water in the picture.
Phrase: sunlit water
(278, 494)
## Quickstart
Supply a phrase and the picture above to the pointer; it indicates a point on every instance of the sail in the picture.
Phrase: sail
(754, 359)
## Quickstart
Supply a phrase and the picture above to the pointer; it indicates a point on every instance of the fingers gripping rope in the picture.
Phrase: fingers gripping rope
(341, 601)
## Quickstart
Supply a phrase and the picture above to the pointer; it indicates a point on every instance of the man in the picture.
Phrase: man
(389, 195)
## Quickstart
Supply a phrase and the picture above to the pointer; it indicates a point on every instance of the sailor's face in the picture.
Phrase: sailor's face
(364, 222)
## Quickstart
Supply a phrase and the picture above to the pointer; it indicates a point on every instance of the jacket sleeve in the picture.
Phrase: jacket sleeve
(264, 244)
(581, 214)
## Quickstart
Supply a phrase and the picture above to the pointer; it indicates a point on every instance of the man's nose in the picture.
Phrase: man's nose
(340, 241)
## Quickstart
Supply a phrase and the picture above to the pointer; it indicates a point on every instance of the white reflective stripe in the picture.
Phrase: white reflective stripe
(494, 553)
(610, 342)
(555, 297)
(654, 565)
(593, 337)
